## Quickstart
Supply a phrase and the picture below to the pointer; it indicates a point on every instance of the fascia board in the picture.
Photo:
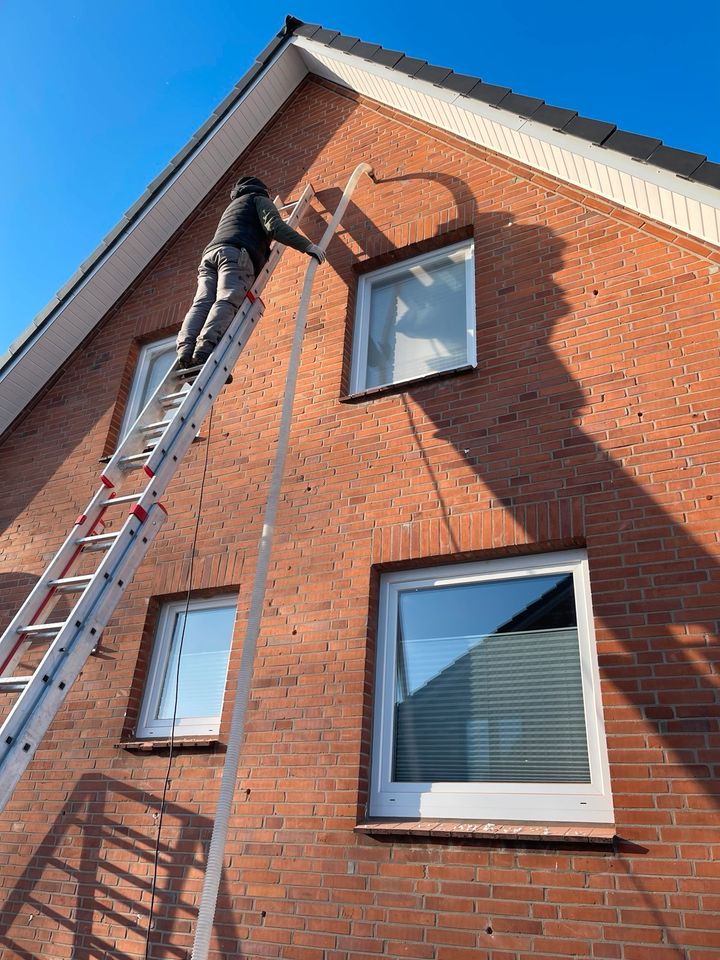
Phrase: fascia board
(521, 139)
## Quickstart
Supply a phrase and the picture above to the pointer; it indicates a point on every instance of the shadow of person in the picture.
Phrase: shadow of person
(519, 422)
(88, 883)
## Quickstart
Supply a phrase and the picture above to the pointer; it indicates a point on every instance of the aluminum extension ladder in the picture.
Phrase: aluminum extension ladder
(152, 452)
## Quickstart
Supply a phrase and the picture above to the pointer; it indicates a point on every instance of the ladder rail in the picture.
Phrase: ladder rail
(44, 691)
(38, 600)
(35, 708)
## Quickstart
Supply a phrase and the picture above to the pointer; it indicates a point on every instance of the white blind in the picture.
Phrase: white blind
(497, 705)
(203, 666)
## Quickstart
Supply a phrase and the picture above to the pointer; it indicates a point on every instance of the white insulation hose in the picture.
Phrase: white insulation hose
(216, 855)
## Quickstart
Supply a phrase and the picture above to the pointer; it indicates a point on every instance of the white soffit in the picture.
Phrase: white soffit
(32, 362)
(691, 207)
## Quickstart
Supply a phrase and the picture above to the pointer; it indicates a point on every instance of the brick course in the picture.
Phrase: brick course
(592, 419)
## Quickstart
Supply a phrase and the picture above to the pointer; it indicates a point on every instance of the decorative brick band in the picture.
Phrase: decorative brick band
(212, 571)
(546, 525)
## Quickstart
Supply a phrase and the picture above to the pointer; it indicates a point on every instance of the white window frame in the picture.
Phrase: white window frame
(358, 370)
(524, 802)
(147, 726)
(148, 352)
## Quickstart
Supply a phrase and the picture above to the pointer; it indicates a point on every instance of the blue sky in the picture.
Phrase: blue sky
(95, 98)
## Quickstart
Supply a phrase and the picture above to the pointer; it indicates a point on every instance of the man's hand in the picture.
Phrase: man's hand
(314, 251)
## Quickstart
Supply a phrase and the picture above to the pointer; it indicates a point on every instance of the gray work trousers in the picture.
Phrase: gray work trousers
(225, 275)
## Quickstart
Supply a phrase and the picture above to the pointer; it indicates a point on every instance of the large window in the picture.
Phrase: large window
(188, 669)
(415, 319)
(488, 694)
(153, 363)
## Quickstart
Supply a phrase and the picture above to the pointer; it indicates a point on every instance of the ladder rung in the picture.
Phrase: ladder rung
(187, 372)
(155, 427)
(98, 541)
(71, 583)
(128, 498)
(172, 398)
(14, 683)
(37, 629)
(136, 460)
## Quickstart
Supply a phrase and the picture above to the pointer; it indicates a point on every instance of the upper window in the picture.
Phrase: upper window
(488, 702)
(188, 669)
(415, 319)
(153, 364)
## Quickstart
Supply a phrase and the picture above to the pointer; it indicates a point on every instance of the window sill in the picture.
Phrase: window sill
(180, 743)
(482, 830)
(371, 392)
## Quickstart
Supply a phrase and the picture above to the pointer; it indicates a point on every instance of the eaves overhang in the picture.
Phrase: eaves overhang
(672, 186)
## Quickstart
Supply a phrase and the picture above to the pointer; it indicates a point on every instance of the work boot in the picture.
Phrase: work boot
(185, 361)
(201, 358)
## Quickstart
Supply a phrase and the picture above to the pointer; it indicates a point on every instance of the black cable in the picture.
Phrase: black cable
(156, 861)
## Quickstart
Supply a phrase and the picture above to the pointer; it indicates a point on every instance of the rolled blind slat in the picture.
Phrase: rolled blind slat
(510, 709)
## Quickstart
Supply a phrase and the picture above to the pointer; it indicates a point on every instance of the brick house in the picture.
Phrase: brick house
(484, 717)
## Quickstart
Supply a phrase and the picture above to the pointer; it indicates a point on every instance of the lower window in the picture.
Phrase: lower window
(487, 694)
(188, 669)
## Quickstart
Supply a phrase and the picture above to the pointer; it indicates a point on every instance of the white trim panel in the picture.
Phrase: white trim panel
(648, 190)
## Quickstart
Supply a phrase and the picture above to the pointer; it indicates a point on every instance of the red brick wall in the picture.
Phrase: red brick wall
(592, 418)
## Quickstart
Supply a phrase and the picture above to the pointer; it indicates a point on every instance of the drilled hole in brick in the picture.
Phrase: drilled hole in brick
(488, 929)
(595, 292)
(294, 633)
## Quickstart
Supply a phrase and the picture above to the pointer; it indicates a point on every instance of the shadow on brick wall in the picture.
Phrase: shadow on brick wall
(85, 892)
(656, 586)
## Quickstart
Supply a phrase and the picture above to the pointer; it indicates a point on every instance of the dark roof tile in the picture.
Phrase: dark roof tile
(409, 65)
(488, 93)
(555, 117)
(307, 30)
(593, 130)
(67, 287)
(517, 103)
(708, 173)
(678, 161)
(365, 50)
(632, 144)
(432, 74)
(325, 36)
(388, 58)
(342, 42)
(460, 83)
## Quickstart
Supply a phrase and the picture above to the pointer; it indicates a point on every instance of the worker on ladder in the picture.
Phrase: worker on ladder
(229, 264)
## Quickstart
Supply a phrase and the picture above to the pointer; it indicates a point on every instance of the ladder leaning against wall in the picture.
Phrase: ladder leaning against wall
(76, 595)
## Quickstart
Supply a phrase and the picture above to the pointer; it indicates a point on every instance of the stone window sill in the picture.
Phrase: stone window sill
(480, 830)
(180, 743)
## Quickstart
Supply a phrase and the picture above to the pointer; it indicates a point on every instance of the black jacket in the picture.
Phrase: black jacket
(240, 225)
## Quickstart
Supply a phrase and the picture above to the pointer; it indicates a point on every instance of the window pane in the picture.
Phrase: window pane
(489, 683)
(203, 665)
(158, 366)
(153, 364)
(418, 321)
